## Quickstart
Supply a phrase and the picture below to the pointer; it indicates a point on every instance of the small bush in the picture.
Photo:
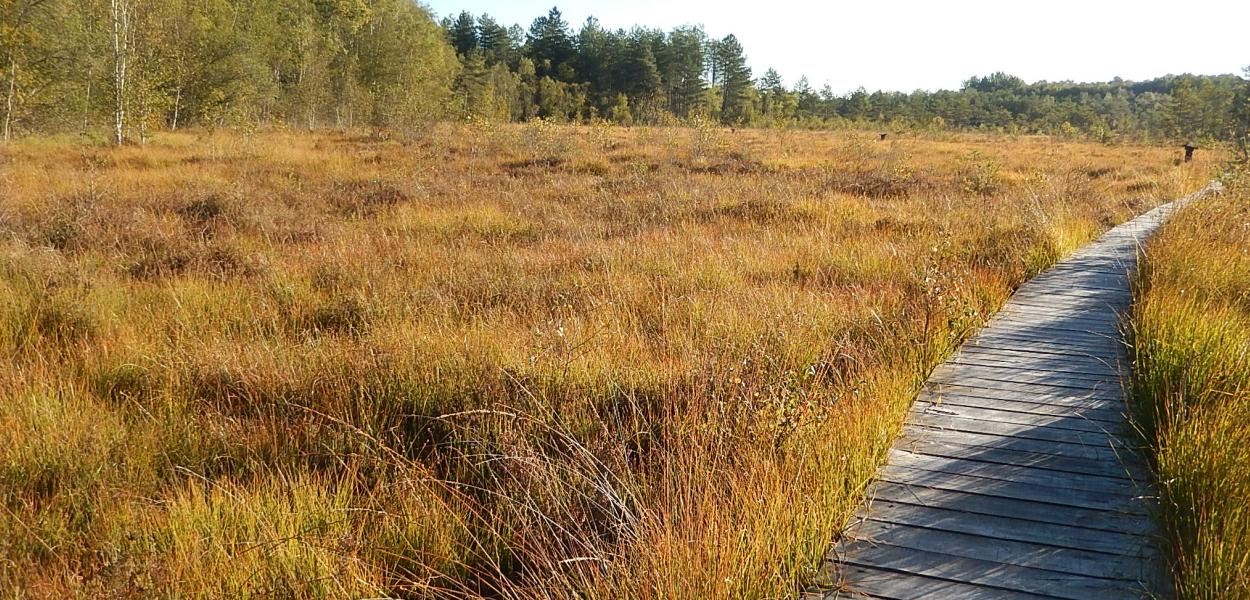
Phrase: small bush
(62, 323)
(204, 209)
(365, 197)
(980, 175)
(343, 314)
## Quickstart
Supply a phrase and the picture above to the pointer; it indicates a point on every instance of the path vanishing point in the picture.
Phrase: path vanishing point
(1016, 475)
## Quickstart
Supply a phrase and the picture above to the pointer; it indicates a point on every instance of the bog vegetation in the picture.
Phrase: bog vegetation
(521, 361)
(121, 69)
(1192, 388)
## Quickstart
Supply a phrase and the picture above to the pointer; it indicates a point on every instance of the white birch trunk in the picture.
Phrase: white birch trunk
(12, 98)
(120, 12)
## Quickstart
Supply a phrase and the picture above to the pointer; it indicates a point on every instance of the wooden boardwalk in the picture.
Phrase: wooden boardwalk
(1015, 475)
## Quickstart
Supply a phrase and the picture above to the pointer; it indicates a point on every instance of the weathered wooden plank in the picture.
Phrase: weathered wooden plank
(1111, 355)
(1006, 528)
(1007, 456)
(1052, 363)
(1014, 430)
(1090, 269)
(1060, 276)
(1055, 282)
(1046, 296)
(1025, 510)
(1075, 324)
(1109, 284)
(1077, 338)
(1104, 356)
(1107, 358)
(978, 374)
(1041, 292)
(1011, 354)
(1054, 327)
(1059, 497)
(1077, 291)
(1109, 452)
(1018, 417)
(1090, 310)
(1069, 339)
(1017, 473)
(1110, 391)
(1095, 316)
(895, 585)
(1100, 317)
(949, 564)
(994, 549)
(1053, 396)
(1073, 329)
(1045, 299)
(1023, 374)
(1105, 411)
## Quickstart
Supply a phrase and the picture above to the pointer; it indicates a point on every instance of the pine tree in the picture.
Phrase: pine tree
(473, 85)
(597, 58)
(735, 75)
(685, 82)
(644, 85)
(1182, 112)
(463, 34)
(496, 43)
(711, 50)
(857, 106)
(771, 92)
(550, 45)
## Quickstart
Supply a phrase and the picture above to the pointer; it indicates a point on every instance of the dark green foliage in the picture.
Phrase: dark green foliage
(463, 34)
(550, 46)
(1241, 121)
(772, 93)
(497, 44)
(641, 74)
(736, 81)
(684, 64)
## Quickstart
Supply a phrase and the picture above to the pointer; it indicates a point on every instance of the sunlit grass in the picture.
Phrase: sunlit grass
(501, 361)
(1192, 386)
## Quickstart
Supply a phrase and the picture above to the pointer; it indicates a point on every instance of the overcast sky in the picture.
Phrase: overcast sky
(911, 44)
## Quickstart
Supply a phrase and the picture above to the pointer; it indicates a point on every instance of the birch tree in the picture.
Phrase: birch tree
(120, 12)
(18, 32)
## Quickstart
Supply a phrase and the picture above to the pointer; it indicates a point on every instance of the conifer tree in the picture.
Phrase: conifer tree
(771, 92)
(550, 45)
(496, 43)
(736, 86)
(463, 34)
(685, 82)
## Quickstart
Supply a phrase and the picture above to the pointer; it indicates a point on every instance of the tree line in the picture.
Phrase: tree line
(133, 66)
(653, 76)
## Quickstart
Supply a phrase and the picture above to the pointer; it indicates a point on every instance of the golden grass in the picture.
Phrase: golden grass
(514, 361)
(1192, 385)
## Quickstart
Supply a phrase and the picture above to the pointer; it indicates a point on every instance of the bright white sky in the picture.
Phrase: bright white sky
(916, 44)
